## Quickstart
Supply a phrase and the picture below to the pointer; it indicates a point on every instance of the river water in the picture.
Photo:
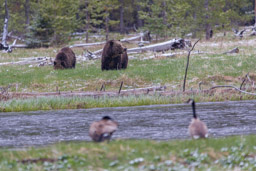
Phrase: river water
(157, 122)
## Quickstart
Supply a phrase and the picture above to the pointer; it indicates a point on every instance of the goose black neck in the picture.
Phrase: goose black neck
(194, 109)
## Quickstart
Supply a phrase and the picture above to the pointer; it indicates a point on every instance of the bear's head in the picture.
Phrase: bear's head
(60, 61)
(115, 47)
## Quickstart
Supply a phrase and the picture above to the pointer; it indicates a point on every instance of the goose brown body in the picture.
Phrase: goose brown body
(102, 130)
(197, 128)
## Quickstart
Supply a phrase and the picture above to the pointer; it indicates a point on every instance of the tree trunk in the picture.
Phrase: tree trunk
(138, 20)
(164, 17)
(255, 13)
(106, 25)
(194, 30)
(208, 31)
(87, 21)
(5, 29)
(207, 25)
(27, 11)
(121, 16)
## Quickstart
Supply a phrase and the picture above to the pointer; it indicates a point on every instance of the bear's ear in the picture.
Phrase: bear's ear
(111, 42)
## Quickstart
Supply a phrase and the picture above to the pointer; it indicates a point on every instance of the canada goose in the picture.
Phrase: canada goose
(103, 129)
(197, 129)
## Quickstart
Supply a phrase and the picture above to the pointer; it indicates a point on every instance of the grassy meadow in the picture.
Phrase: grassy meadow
(230, 153)
(209, 68)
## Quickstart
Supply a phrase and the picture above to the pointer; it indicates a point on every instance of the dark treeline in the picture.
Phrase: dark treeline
(49, 22)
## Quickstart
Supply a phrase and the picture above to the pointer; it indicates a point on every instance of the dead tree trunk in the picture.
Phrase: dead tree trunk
(138, 21)
(5, 29)
(107, 29)
(27, 11)
(207, 25)
(164, 15)
(87, 21)
(255, 13)
(121, 16)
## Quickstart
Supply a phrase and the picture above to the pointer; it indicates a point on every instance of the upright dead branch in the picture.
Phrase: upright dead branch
(245, 77)
(102, 87)
(5, 29)
(185, 77)
(121, 85)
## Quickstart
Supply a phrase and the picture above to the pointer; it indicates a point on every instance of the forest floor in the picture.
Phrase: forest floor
(208, 68)
(226, 154)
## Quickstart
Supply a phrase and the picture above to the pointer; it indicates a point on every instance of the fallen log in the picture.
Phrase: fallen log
(87, 44)
(102, 43)
(20, 46)
(131, 38)
(32, 60)
(253, 33)
(166, 55)
(164, 46)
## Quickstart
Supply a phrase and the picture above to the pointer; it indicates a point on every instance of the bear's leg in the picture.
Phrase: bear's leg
(118, 62)
(74, 64)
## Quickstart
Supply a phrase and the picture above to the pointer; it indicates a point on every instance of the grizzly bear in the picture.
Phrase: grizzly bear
(124, 60)
(66, 58)
(114, 56)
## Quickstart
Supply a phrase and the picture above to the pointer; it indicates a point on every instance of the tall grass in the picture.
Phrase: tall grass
(53, 103)
(50, 103)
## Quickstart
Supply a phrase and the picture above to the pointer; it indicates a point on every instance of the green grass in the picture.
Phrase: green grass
(51, 103)
(212, 68)
(230, 153)
(54, 103)
(140, 73)
(88, 76)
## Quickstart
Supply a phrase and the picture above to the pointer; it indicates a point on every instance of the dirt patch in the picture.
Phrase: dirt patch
(38, 85)
(220, 78)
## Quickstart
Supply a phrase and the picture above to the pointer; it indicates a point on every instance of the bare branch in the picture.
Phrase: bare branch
(185, 77)
(221, 86)
(245, 77)
(102, 87)
(120, 87)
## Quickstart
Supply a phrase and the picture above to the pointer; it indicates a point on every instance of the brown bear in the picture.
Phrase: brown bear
(66, 58)
(114, 56)
(124, 60)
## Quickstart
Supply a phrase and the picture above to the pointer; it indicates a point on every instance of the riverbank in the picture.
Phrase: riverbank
(76, 102)
(230, 153)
